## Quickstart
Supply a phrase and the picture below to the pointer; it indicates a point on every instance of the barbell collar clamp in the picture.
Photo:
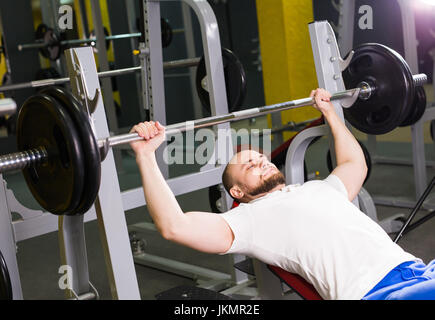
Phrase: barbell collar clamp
(366, 90)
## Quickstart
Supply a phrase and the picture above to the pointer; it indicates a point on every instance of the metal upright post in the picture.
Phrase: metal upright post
(109, 207)
(153, 85)
(410, 42)
(105, 83)
(132, 27)
(73, 254)
(191, 52)
(346, 24)
(411, 56)
(327, 59)
(8, 246)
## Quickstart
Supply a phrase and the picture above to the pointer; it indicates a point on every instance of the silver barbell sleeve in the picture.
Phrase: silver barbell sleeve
(23, 159)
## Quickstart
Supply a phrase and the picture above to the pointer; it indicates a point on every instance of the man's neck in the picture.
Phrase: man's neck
(278, 187)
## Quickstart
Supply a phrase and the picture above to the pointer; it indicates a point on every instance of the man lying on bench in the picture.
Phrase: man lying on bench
(312, 230)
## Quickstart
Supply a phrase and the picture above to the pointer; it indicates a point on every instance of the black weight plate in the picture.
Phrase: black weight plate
(5, 281)
(418, 107)
(47, 35)
(166, 32)
(366, 156)
(40, 31)
(52, 50)
(235, 81)
(58, 184)
(388, 72)
(91, 152)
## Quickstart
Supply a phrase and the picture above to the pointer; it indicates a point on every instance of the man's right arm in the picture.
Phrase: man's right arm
(351, 166)
(203, 231)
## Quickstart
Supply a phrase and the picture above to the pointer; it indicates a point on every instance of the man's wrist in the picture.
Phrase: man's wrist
(330, 112)
(145, 158)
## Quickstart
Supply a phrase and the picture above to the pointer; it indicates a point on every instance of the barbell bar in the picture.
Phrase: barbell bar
(39, 45)
(36, 156)
(190, 62)
(364, 91)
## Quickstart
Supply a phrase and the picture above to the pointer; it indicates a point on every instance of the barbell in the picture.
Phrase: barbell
(60, 155)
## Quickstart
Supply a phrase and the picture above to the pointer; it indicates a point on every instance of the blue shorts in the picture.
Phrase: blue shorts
(408, 281)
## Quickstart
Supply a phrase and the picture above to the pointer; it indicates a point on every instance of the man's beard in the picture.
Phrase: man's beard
(268, 184)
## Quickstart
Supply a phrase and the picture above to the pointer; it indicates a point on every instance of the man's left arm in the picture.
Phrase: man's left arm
(351, 166)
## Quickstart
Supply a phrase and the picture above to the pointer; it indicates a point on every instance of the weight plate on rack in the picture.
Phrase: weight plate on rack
(386, 71)
(235, 81)
(91, 152)
(167, 33)
(57, 185)
(417, 109)
(48, 36)
(5, 280)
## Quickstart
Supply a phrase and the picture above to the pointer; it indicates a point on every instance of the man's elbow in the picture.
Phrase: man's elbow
(168, 234)
(174, 232)
(171, 228)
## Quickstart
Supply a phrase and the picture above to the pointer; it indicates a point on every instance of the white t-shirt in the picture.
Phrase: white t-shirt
(314, 230)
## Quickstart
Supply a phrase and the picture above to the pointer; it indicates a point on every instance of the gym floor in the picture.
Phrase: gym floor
(38, 258)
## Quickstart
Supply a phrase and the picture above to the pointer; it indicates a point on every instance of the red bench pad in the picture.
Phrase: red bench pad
(297, 283)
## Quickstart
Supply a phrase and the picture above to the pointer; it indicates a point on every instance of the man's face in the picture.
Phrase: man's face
(253, 175)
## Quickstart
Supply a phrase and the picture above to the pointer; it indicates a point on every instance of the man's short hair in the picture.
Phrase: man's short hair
(227, 179)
